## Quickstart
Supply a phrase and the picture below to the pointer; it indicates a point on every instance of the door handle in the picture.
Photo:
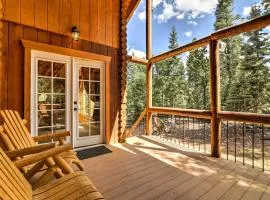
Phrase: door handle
(75, 106)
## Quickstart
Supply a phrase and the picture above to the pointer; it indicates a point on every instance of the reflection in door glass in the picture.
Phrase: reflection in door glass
(51, 88)
(89, 101)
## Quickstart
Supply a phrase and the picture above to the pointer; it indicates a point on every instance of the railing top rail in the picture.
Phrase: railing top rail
(245, 117)
(251, 25)
(203, 114)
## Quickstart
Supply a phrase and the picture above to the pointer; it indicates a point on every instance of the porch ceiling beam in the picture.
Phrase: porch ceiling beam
(137, 60)
(131, 8)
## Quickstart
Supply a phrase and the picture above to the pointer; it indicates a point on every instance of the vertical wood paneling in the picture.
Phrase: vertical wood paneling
(75, 16)
(4, 67)
(109, 22)
(94, 20)
(84, 19)
(28, 12)
(43, 36)
(116, 24)
(30, 33)
(101, 22)
(56, 39)
(65, 17)
(13, 10)
(15, 70)
(54, 15)
(41, 14)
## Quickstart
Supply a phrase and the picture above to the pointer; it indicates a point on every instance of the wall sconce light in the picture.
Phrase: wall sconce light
(75, 33)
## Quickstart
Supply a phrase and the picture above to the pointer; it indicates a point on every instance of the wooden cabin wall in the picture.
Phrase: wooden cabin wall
(50, 22)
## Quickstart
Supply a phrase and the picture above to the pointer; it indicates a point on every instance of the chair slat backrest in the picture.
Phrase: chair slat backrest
(13, 185)
(16, 129)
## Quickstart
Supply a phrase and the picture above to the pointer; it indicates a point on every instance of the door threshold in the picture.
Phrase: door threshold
(88, 147)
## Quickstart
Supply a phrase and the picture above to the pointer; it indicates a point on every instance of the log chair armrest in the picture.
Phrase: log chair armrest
(31, 159)
(54, 136)
(29, 150)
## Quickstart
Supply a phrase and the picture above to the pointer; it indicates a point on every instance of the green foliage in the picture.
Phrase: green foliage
(135, 91)
(169, 84)
(198, 79)
(245, 71)
(253, 76)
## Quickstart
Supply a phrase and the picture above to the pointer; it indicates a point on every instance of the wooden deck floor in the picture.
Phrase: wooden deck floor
(143, 169)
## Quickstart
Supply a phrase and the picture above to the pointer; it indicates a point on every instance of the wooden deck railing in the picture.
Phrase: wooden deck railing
(215, 114)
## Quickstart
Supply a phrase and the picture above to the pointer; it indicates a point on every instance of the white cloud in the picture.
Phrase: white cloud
(267, 28)
(157, 3)
(137, 53)
(246, 11)
(142, 15)
(167, 13)
(180, 8)
(196, 7)
(192, 23)
(188, 33)
(180, 16)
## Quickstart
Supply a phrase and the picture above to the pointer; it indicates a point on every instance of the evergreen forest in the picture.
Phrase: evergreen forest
(244, 65)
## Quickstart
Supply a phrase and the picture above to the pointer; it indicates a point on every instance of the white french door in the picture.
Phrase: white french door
(88, 103)
(67, 94)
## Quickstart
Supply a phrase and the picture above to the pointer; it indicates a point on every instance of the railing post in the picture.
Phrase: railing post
(149, 66)
(215, 99)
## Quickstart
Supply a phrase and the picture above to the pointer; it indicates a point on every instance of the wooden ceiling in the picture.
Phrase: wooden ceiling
(132, 5)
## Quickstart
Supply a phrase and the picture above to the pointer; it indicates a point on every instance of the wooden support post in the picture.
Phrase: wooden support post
(149, 66)
(215, 99)
(123, 108)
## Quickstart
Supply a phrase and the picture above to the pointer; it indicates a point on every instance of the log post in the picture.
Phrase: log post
(149, 66)
(215, 99)
(123, 107)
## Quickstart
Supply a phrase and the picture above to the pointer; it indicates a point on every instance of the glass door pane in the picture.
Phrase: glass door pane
(89, 101)
(51, 96)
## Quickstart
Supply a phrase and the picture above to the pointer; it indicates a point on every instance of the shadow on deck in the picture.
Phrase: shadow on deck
(146, 169)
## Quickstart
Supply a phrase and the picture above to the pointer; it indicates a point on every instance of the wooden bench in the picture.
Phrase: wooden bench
(14, 186)
(15, 136)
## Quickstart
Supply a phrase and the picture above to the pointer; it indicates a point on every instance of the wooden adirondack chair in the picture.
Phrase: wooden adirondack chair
(16, 136)
(14, 186)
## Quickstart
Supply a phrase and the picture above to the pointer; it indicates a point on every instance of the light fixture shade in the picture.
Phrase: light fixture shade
(75, 33)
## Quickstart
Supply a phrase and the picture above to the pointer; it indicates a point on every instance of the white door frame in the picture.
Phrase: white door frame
(70, 122)
(91, 140)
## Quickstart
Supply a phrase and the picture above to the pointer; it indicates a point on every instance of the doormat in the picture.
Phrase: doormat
(92, 152)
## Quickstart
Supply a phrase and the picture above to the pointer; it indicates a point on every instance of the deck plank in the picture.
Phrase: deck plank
(145, 169)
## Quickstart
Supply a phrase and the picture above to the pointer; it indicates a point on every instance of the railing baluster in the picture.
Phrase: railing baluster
(188, 132)
(253, 144)
(184, 130)
(227, 138)
(244, 133)
(235, 138)
(204, 127)
(193, 134)
(199, 133)
(262, 147)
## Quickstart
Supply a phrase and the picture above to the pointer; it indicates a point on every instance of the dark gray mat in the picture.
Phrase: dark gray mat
(92, 152)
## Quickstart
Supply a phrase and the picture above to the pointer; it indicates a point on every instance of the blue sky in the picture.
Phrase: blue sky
(192, 18)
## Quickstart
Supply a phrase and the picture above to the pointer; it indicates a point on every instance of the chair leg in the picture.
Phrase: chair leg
(62, 164)
(79, 164)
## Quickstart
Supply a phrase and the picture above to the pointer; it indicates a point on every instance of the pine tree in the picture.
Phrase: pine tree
(266, 4)
(198, 79)
(254, 76)
(169, 85)
(230, 56)
(135, 91)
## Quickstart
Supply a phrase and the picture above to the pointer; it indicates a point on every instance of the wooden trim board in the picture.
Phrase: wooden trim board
(30, 45)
